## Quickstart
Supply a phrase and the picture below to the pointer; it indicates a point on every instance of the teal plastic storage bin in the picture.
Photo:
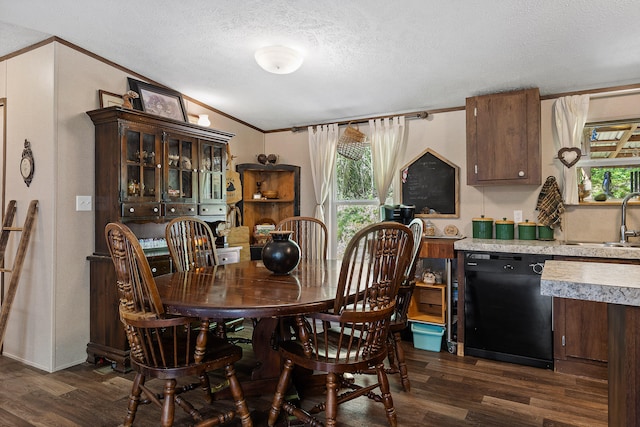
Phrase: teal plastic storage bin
(426, 336)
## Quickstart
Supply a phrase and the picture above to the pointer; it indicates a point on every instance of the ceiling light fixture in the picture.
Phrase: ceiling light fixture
(279, 59)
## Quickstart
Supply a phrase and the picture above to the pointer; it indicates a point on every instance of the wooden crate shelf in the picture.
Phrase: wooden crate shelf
(428, 303)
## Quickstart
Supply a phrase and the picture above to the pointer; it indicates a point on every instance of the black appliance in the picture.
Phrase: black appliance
(505, 316)
(399, 213)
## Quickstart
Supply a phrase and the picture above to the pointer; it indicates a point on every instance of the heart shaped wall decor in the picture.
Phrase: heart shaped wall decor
(569, 156)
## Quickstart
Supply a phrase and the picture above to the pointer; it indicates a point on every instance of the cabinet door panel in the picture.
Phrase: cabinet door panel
(211, 171)
(180, 170)
(503, 138)
(501, 142)
(586, 333)
(141, 153)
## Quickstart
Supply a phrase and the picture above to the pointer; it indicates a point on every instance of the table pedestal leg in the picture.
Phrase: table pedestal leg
(624, 368)
(265, 349)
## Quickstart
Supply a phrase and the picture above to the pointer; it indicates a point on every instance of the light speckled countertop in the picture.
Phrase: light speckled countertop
(553, 247)
(592, 281)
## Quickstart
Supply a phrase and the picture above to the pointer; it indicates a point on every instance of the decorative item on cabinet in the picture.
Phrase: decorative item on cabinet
(281, 178)
(147, 169)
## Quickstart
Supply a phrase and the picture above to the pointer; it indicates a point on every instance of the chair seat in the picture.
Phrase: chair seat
(294, 351)
(219, 353)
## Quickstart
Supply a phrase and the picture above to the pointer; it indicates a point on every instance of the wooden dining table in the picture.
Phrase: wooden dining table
(248, 289)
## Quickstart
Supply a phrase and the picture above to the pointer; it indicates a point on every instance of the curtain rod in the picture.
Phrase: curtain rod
(611, 94)
(414, 115)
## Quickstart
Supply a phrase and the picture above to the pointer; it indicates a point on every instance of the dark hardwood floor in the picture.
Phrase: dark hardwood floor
(446, 390)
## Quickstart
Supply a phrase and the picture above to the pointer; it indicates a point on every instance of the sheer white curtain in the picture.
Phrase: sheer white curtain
(322, 153)
(570, 114)
(387, 148)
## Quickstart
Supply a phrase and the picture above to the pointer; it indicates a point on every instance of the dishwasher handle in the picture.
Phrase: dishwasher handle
(537, 267)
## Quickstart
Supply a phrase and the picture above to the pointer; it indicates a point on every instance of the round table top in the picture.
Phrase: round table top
(248, 289)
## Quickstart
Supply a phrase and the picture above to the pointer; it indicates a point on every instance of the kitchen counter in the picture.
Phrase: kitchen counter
(552, 247)
(592, 281)
(618, 285)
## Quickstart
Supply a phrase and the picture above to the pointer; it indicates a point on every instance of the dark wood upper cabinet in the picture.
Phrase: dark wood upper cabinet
(503, 138)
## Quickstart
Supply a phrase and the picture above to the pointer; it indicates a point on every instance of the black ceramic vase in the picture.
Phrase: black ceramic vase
(281, 254)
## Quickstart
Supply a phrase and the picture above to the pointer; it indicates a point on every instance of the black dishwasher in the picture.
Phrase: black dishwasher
(505, 316)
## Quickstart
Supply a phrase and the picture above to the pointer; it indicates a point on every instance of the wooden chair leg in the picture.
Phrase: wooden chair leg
(387, 400)
(242, 410)
(168, 404)
(281, 390)
(134, 400)
(205, 385)
(402, 363)
(331, 411)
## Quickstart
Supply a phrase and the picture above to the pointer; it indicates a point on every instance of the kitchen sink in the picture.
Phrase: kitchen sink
(604, 244)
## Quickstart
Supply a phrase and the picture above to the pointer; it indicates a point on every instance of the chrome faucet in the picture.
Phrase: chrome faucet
(624, 233)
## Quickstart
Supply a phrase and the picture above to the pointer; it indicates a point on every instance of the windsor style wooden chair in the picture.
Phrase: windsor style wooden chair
(372, 269)
(309, 233)
(166, 347)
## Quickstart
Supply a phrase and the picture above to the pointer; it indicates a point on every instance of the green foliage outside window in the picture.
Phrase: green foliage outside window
(354, 187)
(355, 178)
(620, 180)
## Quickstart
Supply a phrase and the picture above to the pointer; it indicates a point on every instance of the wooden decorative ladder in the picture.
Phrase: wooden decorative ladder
(7, 227)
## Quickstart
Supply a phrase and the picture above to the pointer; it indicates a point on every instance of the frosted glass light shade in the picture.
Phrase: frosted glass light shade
(203, 120)
(279, 59)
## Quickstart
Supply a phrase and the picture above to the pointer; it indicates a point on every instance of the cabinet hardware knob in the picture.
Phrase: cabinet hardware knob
(159, 166)
(155, 210)
(154, 270)
(521, 173)
(191, 209)
(173, 210)
(131, 210)
(204, 209)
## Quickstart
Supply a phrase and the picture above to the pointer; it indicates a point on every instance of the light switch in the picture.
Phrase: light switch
(83, 203)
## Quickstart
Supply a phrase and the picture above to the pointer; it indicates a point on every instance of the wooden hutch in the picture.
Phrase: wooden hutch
(148, 169)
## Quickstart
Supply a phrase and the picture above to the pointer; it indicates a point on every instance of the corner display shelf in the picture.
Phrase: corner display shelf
(285, 179)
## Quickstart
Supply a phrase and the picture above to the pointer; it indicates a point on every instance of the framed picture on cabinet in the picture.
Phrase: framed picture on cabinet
(158, 100)
(108, 99)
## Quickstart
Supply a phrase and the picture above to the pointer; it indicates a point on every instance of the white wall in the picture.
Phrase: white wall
(31, 99)
(445, 133)
(48, 92)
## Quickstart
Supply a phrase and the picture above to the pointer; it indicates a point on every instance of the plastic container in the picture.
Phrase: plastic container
(427, 336)
(527, 230)
(545, 232)
(504, 229)
(482, 228)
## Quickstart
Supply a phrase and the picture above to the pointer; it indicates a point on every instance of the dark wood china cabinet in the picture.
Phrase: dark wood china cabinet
(148, 169)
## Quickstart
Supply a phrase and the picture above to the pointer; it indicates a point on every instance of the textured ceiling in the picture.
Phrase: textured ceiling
(363, 57)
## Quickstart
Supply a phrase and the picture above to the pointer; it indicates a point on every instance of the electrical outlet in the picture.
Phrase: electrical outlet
(83, 203)
(517, 216)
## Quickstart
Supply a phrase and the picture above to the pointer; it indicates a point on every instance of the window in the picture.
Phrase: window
(355, 200)
(612, 164)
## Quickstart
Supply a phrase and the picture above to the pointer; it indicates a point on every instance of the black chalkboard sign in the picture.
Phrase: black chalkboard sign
(430, 183)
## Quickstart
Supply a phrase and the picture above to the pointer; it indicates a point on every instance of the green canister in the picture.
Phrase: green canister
(527, 230)
(504, 229)
(545, 232)
(482, 228)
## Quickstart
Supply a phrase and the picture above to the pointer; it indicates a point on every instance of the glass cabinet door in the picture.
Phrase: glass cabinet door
(142, 152)
(181, 161)
(211, 176)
